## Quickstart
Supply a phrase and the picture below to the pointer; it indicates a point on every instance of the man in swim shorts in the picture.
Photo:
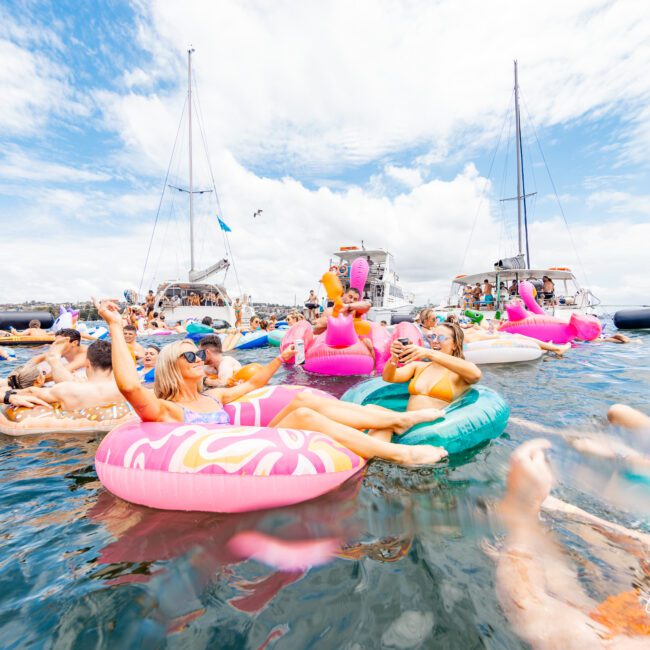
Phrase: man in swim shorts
(216, 363)
(99, 390)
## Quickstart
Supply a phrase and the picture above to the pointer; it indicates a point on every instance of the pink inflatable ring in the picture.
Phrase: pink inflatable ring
(224, 468)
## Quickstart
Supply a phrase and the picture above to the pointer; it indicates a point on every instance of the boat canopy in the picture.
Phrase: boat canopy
(514, 274)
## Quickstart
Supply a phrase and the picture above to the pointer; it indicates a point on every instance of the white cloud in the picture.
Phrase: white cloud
(18, 165)
(409, 176)
(33, 86)
(328, 84)
(283, 253)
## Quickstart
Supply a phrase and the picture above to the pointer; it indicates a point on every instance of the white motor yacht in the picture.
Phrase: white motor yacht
(382, 287)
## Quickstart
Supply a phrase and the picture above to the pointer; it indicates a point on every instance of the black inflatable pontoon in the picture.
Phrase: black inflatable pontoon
(632, 319)
(20, 319)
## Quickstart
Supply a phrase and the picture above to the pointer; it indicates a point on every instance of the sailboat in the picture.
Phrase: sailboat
(200, 295)
(569, 297)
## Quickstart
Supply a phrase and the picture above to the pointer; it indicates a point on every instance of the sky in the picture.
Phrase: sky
(387, 122)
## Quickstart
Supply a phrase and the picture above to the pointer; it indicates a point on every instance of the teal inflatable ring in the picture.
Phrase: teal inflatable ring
(476, 417)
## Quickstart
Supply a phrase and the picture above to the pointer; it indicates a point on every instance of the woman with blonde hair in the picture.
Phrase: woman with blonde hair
(176, 397)
(436, 375)
(25, 376)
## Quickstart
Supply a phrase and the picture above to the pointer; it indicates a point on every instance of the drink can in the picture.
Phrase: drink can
(299, 345)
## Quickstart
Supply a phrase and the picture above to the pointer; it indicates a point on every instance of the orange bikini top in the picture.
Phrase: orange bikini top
(441, 390)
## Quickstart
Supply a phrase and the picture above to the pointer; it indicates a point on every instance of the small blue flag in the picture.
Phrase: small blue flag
(223, 225)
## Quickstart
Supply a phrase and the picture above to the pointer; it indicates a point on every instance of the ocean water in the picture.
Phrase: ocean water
(80, 568)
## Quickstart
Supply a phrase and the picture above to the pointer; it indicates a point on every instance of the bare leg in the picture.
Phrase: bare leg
(549, 347)
(368, 344)
(381, 434)
(628, 417)
(357, 416)
(363, 445)
(231, 341)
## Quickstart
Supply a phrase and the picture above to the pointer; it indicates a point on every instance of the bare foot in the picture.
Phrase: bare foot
(561, 349)
(411, 418)
(423, 455)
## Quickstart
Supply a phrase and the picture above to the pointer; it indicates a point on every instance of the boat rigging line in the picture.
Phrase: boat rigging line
(214, 186)
(557, 196)
(162, 194)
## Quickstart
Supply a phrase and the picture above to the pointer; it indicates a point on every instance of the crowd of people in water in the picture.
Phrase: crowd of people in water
(183, 381)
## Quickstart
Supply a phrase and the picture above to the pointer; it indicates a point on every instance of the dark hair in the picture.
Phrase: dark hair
(99, 355)
(451, 318)
(207, 321)
(34, 323)
(130, 328)
(154, 346)
(71, 334)
(458, 337)
(355, 291)
(211, 341)
(155, 314)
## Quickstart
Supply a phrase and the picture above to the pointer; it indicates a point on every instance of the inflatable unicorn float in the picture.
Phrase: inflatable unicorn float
(534, 321)
(341, 349)
(69, 319)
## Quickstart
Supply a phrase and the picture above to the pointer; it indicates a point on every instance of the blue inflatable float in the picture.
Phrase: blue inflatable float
(476, 417)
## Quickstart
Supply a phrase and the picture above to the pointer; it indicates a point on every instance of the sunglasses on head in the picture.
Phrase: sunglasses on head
(191, 356)
(441, 338)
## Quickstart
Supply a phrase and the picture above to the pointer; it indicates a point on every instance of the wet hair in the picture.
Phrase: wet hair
(207, 321)
(99, 355)
(71, 334)
(168, 379)
(24, 376)
(130, 328)
(457, 336)
(34, 323)
(211, 341)
(355, 291)
(153, 346)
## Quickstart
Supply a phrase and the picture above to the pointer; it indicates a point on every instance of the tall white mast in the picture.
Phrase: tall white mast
(189, 112)
(518, 147)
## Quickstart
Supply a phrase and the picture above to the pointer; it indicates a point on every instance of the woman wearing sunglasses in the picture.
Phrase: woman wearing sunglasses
(436, 375)
(176, 397)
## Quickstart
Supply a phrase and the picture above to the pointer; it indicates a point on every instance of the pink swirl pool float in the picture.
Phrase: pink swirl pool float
(224, 468)
(539, 325)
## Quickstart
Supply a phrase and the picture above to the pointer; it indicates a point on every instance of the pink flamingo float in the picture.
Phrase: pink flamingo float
(535, 323)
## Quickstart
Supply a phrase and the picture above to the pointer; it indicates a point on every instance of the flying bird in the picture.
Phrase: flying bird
(257, 214)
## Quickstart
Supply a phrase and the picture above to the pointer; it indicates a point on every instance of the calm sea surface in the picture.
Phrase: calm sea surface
(80, 568)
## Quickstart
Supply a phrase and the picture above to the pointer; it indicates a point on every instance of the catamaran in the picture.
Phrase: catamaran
(569, 296)
(382, 287)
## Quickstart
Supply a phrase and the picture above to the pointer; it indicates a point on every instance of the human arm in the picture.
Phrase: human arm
(58, 371)
(259, 379)
(320, 323)
(466, 370)
(23, 398)
(356, 308)
(391, 372)
(143, 400)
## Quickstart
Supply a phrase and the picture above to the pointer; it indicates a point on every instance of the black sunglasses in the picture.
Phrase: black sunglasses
(191, 356)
